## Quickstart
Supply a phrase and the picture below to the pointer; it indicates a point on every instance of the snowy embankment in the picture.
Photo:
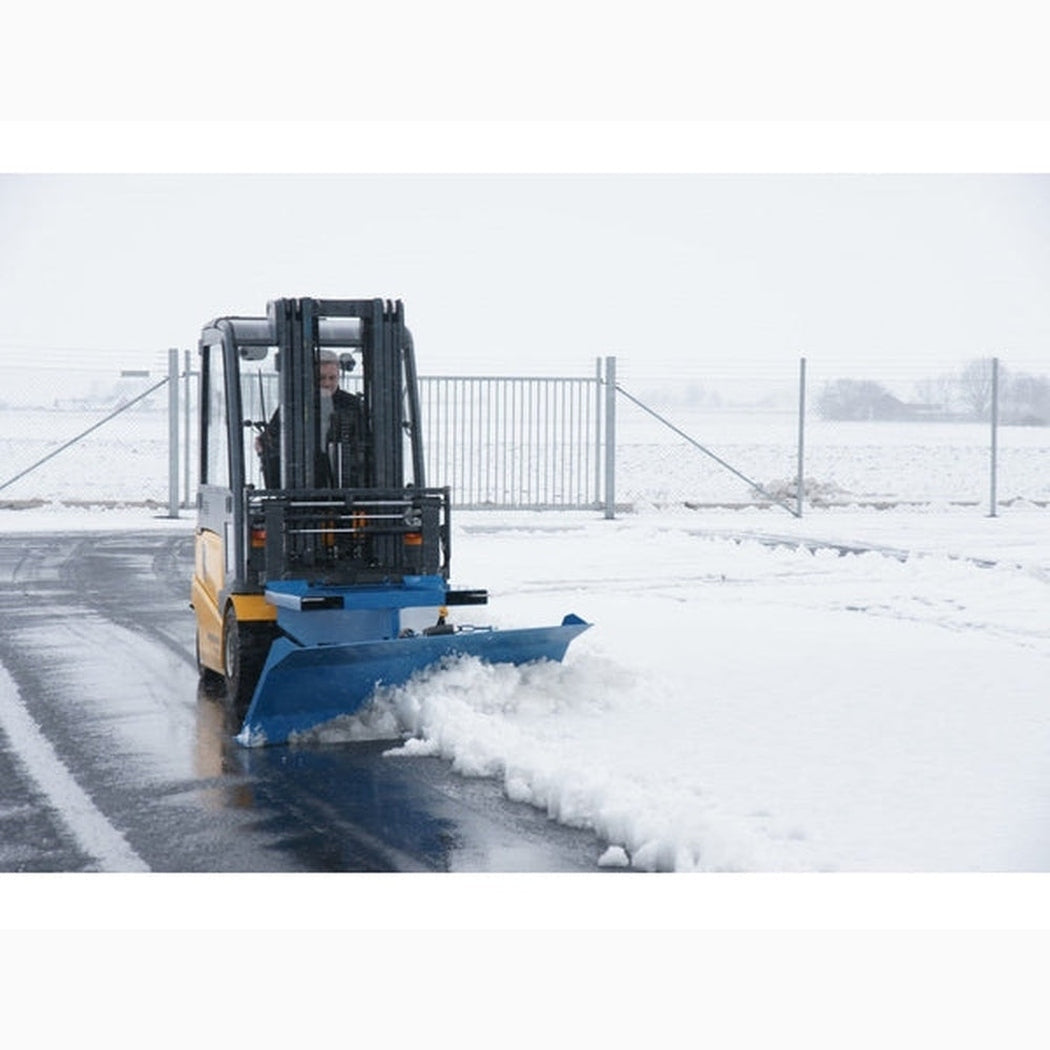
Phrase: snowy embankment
(756, 705)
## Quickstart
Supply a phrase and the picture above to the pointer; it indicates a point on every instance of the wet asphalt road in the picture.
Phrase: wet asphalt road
(113, 757)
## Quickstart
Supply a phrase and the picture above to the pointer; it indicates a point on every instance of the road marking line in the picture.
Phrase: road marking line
(88, 824)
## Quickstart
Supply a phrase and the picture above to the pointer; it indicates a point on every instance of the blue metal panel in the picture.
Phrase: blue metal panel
(338, 626)
(313, 614)
(407, 592)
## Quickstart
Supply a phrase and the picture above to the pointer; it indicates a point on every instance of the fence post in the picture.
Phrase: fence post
(993, 498)
(801, 435)
(187, 380)
(610, 437)
(173, 433)
(597, 430)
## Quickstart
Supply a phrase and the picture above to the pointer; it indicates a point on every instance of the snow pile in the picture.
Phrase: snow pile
(578, 740)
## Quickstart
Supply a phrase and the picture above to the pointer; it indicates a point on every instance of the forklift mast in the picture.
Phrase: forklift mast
(377, 330)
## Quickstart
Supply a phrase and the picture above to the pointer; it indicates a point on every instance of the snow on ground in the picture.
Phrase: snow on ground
(742, 705)
(750, 698)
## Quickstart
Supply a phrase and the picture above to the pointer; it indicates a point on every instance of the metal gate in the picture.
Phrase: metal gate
(497, 442)
(514, 442)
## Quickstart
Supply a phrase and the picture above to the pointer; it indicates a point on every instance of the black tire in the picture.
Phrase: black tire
(244, 646)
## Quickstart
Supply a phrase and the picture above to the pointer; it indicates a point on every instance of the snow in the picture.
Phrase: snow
(754, 704)
(750, 698)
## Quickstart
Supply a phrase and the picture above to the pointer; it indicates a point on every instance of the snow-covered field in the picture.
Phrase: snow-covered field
(860, 464)
(844, 463)
(124, 459)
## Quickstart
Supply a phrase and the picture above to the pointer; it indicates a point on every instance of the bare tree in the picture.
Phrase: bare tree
(1025, 399)
(975, 387)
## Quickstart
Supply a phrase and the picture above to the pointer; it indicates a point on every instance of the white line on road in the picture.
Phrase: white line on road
(88, 824)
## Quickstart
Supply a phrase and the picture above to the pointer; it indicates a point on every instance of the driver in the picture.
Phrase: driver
(333, 400)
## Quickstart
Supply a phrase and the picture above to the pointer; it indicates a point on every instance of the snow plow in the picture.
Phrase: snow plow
(322, 559)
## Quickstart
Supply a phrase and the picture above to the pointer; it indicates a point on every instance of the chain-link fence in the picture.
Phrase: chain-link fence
(87, 435)
(859, 435)
(867, 435)
(131, 438)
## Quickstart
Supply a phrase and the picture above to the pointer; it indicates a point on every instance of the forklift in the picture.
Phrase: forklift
(322, 558)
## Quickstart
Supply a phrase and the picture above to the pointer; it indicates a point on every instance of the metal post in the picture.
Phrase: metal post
(173, 433)
(801, 435)
(597, 429)
(610, 437)
(186, 432)
(992, 512)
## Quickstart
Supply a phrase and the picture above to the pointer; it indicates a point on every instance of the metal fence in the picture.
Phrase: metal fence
(519, 442)
(976, 435)
(74, 433)
(736, 439)
(496, 442)
(526, 443)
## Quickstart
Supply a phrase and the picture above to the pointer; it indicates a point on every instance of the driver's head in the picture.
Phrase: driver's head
(328, 372)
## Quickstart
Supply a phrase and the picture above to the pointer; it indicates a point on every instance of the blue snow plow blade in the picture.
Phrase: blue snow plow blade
(303, 686)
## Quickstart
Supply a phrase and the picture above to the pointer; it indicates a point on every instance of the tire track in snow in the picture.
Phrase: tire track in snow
(87, 823)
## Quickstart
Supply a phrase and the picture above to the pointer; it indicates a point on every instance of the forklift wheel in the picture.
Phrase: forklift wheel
(245, 646)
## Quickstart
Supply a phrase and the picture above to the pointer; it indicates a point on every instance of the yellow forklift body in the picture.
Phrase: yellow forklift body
(209, 602)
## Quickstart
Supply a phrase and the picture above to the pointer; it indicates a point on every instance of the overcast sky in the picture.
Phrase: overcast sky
(678, 275)
(533, 266)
